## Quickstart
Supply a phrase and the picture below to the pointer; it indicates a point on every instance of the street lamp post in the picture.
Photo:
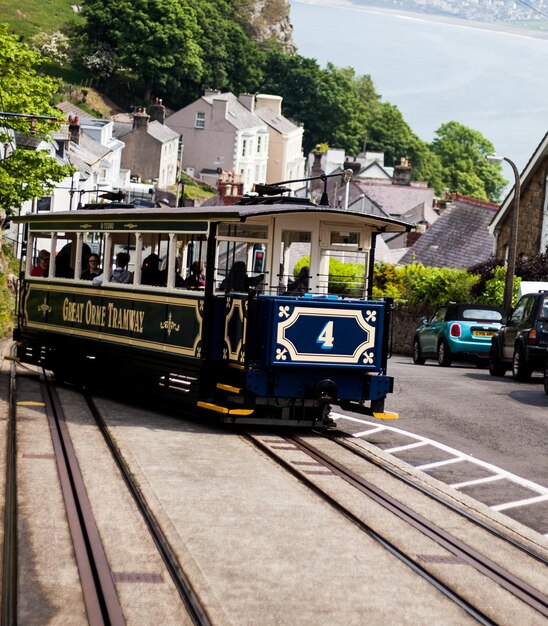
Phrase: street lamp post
(513, 240)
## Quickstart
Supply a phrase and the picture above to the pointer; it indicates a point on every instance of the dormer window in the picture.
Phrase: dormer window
(200, 120)
(60, 149)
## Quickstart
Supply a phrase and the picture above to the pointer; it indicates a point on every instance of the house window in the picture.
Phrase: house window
(244, 147)
(259, 143)
(44, 204)
(200, 120)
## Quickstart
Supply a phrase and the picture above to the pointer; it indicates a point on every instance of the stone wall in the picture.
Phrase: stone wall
(530, 217)
(405, 321)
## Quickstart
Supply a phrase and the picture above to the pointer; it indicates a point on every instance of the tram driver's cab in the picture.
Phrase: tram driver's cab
(320, 257)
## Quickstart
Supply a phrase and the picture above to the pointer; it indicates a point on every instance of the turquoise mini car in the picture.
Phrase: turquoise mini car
(457, 332)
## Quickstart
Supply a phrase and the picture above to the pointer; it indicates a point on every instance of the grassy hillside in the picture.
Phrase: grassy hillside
(28, 17)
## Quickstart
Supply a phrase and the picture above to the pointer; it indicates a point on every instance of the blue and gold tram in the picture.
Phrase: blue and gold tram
(278, 325)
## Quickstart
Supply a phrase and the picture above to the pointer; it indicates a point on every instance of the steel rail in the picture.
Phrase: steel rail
(471, 518)
(9, 562)
(183, 585)
(100, 597)
(469, 608)
(522, 590)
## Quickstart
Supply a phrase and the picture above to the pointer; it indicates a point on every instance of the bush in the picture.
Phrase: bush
(493, 292)
(492, 275)
(389, 281)
(9, 267)
(437, 285)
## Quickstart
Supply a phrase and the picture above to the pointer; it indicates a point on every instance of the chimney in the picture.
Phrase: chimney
(74, 129)
(140, 119)
(248, 100)
(354, 165)
(211, 92)
(316, 186)
(158, 112)
(402, 173)
(274, 103)
(220, 107)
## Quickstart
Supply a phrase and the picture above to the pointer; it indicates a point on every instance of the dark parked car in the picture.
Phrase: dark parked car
(522, 343)
(457, 332)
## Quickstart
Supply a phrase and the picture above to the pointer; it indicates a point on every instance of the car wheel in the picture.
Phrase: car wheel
(417, 358)
(545, 381)
(520, 371)
(444, 354)
(496, 366)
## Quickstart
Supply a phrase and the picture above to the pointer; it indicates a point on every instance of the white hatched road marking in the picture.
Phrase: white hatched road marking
(369, 432)
(458, 459)
(409, 446)
(478, 481)
(498, 472)
(516, 503)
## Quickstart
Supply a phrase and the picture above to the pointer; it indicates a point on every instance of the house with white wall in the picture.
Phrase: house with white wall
(220, 132)
(151, 150)
(286, 160)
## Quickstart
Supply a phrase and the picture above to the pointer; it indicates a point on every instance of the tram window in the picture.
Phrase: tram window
(344, 238)
(242, 231)
(228, 254)
(295, 253)
(66, 264)
(190, 261)
(343, 273)
(241, 266)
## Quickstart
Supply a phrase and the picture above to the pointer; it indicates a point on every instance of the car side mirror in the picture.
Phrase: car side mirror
(424, 320)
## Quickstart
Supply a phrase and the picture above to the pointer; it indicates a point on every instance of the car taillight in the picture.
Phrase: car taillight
(532, 337)
(455, 330)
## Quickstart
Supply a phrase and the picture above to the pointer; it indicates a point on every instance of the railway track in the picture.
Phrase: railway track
(180, 579)
(98, 584)
(324, 464)
(240, 517)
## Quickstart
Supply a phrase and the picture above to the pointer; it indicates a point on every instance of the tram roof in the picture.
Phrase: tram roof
(234, 212)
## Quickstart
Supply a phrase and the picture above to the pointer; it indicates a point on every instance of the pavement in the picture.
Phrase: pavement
(258, 546)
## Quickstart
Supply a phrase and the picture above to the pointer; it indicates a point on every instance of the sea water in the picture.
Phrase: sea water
(434, 72)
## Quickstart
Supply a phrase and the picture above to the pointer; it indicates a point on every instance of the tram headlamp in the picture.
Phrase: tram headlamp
(326, 391)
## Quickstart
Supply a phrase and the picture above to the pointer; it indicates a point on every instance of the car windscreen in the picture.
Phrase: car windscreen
(487, 315)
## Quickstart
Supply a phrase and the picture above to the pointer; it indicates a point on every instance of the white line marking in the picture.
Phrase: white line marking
(409, 446)
(478, 481)
(440, 463)
(492, 468)
(516, 503)
(368, 432)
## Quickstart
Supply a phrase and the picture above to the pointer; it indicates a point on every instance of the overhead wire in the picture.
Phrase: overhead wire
(533, 8)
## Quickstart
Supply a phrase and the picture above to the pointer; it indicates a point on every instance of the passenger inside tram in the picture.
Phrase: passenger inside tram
(41, 269)
(150, 271)
(236, 279)
(300, 285)
(196, 276)
(94, 268)
(121, 274)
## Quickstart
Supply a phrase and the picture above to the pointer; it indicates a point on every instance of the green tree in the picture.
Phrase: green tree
(156, 40)
(25, 174)
(231, 60)
(331, 103)
(388, 132)
(462, 153)
(344, 110)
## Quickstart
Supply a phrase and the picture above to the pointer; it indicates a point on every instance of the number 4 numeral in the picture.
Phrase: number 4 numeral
(326, 337)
